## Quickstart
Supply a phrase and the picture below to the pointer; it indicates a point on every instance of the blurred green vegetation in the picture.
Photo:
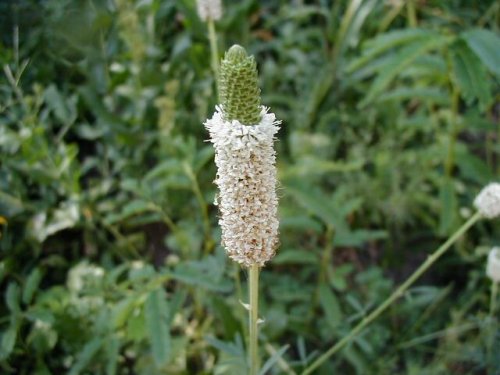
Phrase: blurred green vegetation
(110, 256)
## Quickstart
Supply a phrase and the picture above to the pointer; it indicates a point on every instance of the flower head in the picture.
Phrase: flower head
(487, 201)
(209, 9)
(243, 134)
(246, 177)
(493, 265)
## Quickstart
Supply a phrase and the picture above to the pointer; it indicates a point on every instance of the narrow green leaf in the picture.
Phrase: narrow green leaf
(9, 338)
(425, 94)
(113, 350)
(486, 45)
(122, 311)
(338, 276)
(301, 223)
(233, 348)
(295, 256)
(10, 205)
(85, 356)
(357, 237)
(330, 305)
(136, 326)
(3, 271)
(225, 314)
(356, 360)
(135, 207)
(473, 167)
(31, 285)
(311, 166)
(202, 158)
(314, 203)
(156, 310)
(274, 358)
(41, 314)
(56, 103)
(360, 11)
(176, 302)
(12, 297)
(205, 274)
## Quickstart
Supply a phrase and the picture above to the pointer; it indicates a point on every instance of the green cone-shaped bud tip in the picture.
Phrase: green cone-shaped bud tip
(239, 91)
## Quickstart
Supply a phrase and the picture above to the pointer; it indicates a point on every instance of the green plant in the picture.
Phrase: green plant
(390, 127)
(242, 132)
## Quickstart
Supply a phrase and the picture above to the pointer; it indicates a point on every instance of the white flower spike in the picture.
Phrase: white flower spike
(209, 9)
(487, 201)
(493, 265)
(243, 133)
(246, 177)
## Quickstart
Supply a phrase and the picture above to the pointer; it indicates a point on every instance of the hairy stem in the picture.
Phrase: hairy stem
(253, 315)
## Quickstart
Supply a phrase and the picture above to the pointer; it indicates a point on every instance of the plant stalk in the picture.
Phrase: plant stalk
(214, 51)
(209, 242)
(395, 295)
(253, 316)
(411, 13)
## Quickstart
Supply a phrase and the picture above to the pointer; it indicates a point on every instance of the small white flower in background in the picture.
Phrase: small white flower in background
(246, 177)
(209, 9)
(487, 201)
(84, 284)
(84, 276)
(493, 265)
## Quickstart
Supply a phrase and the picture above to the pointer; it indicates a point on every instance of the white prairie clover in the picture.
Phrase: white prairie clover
(242, 132)
(487, 201)
(209, 9)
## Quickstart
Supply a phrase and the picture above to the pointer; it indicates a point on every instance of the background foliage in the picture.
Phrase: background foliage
(110, 256)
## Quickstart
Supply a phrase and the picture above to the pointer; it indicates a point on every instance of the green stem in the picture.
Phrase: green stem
(395, 295)
(411, 13)
(239, 294)
(214, 51)
(209, 242)
(253, 315)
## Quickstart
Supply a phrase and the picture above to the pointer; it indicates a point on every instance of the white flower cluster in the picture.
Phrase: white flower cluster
(85, 283)
(246, 177)
(209, 9)
(487, 201)
(493, 265)
(84, 276)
